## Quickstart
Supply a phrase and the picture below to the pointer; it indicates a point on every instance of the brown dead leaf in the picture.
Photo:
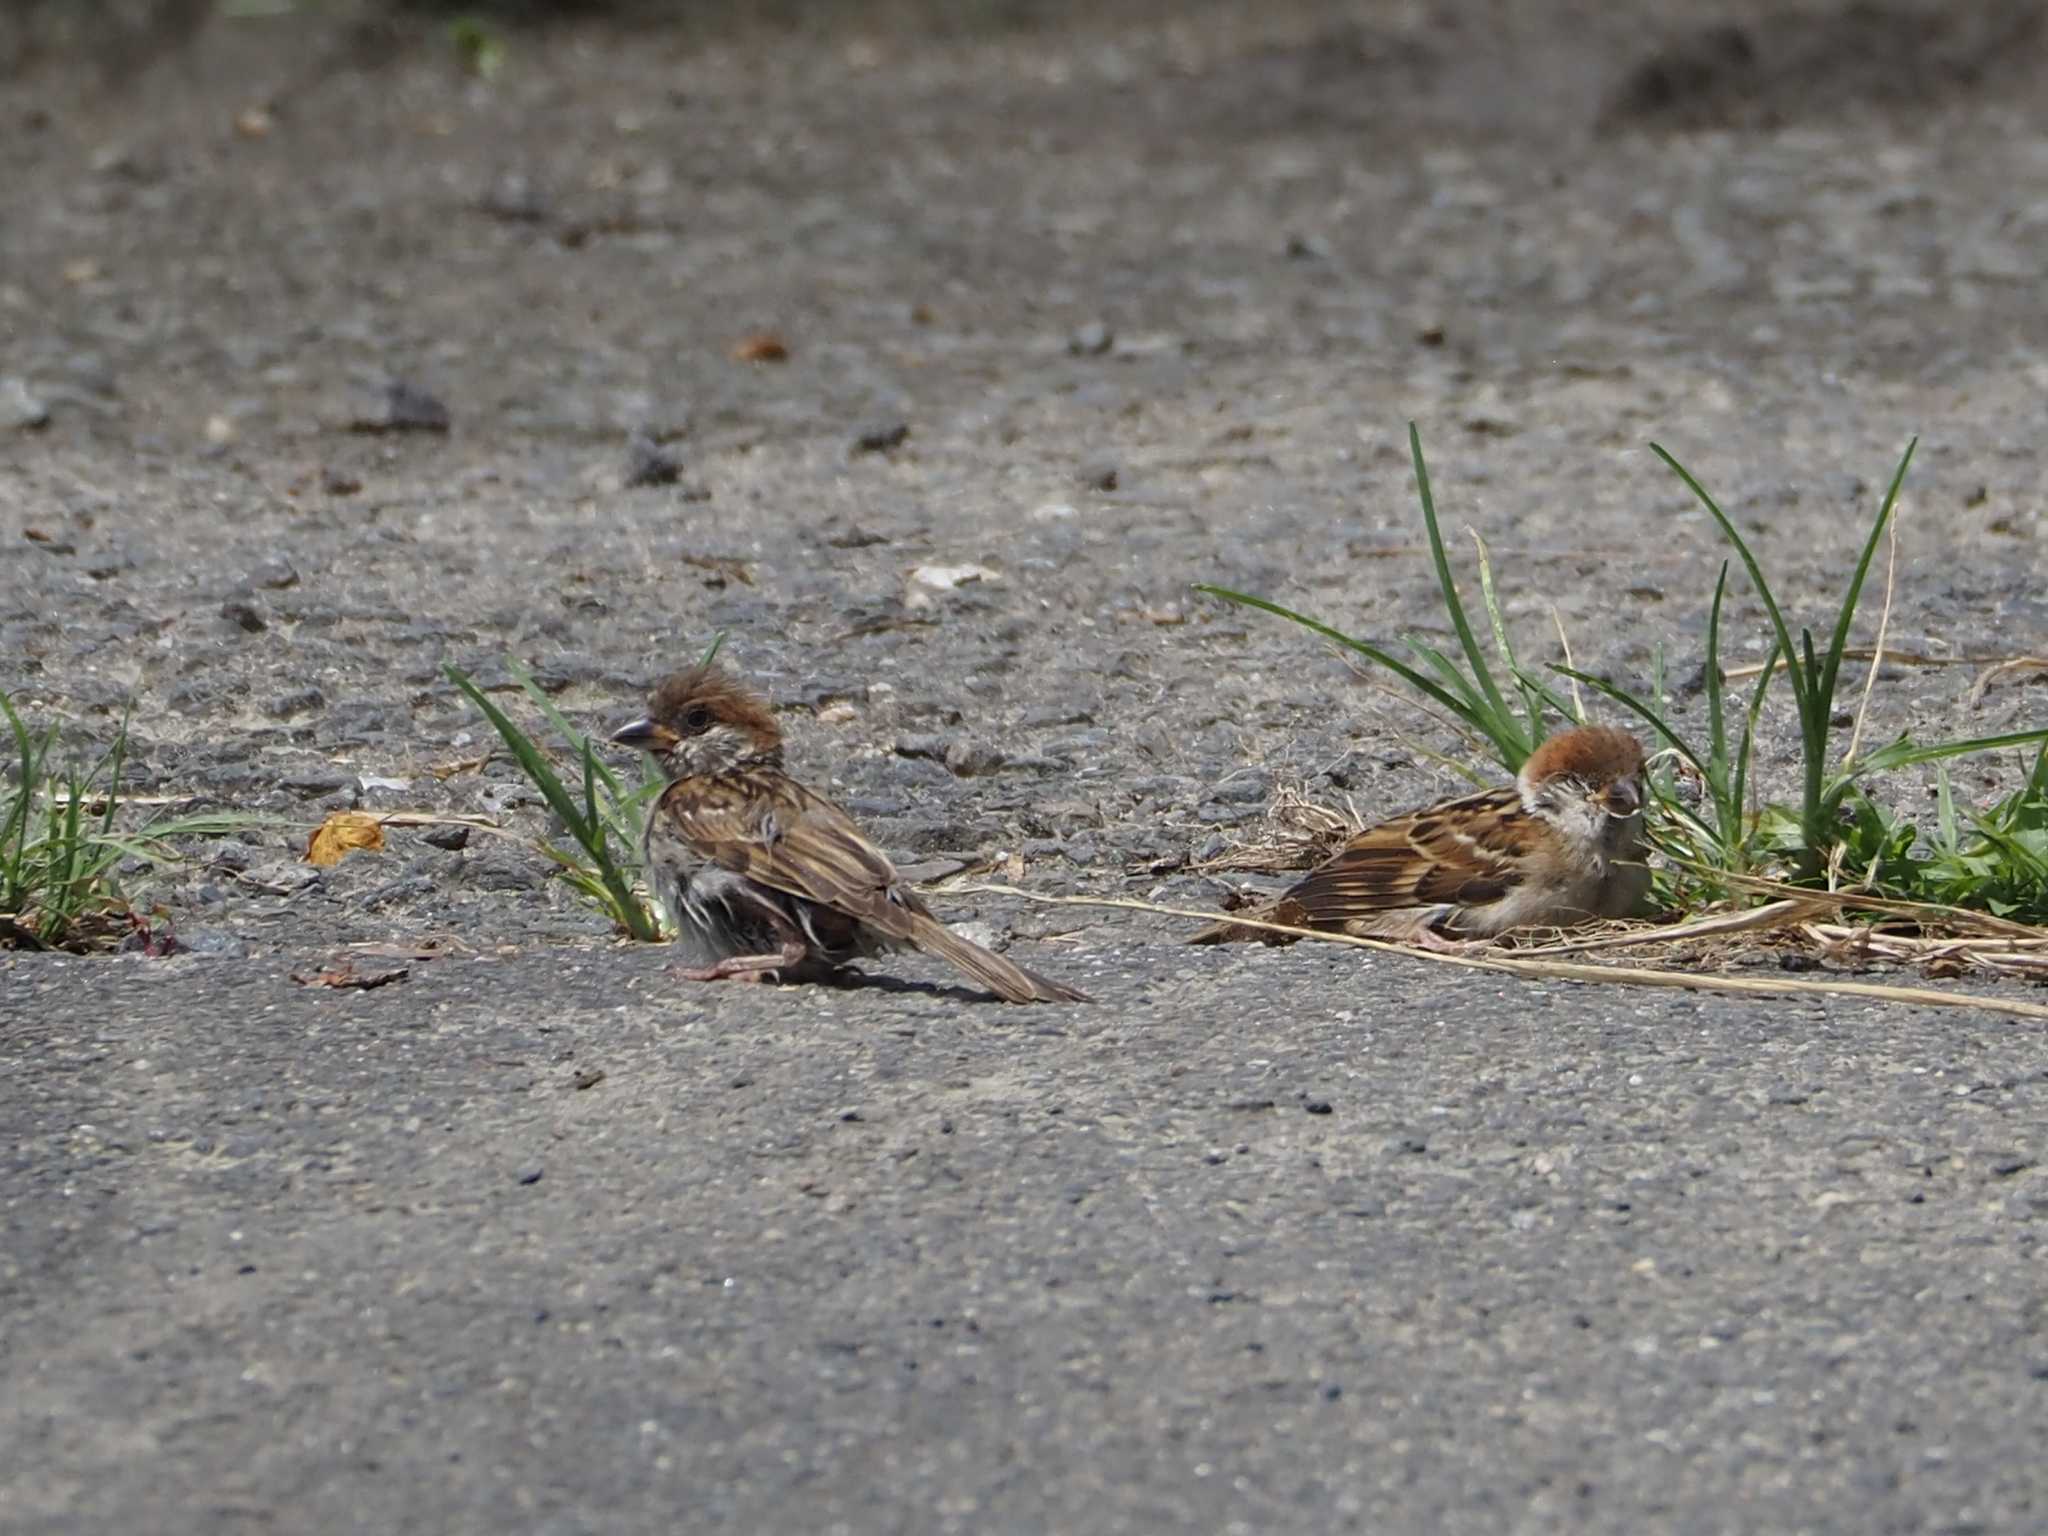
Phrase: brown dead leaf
(342, 833)
(347, 977)
(759, 347)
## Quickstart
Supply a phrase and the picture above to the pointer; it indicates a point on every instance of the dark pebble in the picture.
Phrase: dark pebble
(531, 1176)
(454, 838)
(1317, 1106)
(404, 408)
(245, 615)
(648, 463)
(881, 437)
(1099, 477)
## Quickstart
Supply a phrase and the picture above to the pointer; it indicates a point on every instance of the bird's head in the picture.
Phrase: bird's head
(704, 721)
(1588, 782)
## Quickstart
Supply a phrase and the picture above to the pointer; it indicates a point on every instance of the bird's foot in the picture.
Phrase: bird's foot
(1430, 939)
(755, 968)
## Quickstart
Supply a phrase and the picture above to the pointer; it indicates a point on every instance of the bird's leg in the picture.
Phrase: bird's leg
(1429, 938)
(750, 967)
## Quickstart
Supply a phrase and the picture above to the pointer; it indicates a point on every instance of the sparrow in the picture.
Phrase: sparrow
(762, 877)
(1562, 845)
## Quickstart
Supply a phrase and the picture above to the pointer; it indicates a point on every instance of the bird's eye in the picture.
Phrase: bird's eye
(697, 720)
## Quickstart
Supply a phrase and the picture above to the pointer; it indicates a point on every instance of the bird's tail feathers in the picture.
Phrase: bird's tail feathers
(1008, 980)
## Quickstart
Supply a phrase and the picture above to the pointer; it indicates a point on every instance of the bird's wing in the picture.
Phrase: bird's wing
(1463, 853)
(769, 828)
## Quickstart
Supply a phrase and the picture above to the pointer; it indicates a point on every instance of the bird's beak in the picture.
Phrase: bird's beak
(1623, 798)
(648, 735)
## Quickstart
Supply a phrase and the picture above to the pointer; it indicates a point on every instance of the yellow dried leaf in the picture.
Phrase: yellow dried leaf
(342, 833)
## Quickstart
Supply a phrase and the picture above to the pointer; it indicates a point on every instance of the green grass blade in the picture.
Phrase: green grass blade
(1373, 653)
(532, 761)
(1749, 563)
(1716, 768)
(1531, 733)
(1904, 752)
(117, 756)
(1447, 587)
(1738, 791)
(1532, 685)
(537, 696)
(589, 834)
(1840, 639)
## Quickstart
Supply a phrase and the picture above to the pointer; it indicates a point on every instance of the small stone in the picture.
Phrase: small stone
(648, 463)
(1099, 476)
(453, 836)
(274, 576)
(933, 747)
(404, 408)
(880, 437)
(228, 855)
(1091, 340)
(309, 782)
(948, 578)
(966, 759)
(19, 407)
(337, 482)
(211, 943)
(499, 873)
(244, 615)
(497, 799)
(296, 701)
(531, 1176)
(513, 198)
(1252, 788)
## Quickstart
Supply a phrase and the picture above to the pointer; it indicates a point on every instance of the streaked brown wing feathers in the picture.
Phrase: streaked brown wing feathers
(1419, 860)
(774, 831)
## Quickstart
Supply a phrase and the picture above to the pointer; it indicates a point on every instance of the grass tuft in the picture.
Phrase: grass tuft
(63, 840)
(1707, 821)
(604, 816)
